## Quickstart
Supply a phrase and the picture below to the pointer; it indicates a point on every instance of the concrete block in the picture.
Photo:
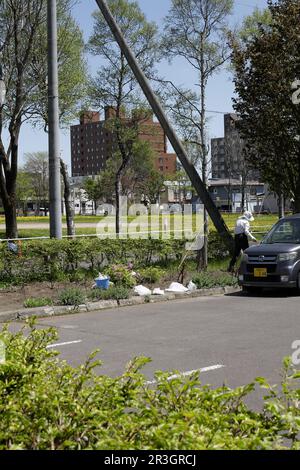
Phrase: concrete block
(101, 305)
(132, 301)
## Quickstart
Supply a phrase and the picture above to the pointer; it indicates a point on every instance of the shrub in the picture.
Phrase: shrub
(217, 248)
(113, 293)
(121, 276)
(47, 404)
(151, 274)
(37, 302)
(208, 280)
(56, 260)
(72, 296)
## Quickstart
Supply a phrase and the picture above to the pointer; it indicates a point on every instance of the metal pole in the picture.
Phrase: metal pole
(161, 116)
(53, 117)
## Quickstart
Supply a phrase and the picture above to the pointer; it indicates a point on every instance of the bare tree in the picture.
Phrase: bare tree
(37, 166)
(115, 85)
(195, 31)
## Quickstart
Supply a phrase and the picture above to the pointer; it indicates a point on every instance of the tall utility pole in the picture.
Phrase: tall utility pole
(161, 116)
(53, 122)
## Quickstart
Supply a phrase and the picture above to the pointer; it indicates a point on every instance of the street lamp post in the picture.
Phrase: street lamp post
(2, 88)
(53, 122)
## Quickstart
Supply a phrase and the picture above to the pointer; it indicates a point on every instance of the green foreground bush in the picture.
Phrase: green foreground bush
(47, 404)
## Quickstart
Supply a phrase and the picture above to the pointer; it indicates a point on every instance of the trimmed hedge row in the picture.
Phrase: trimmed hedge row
(53, 260)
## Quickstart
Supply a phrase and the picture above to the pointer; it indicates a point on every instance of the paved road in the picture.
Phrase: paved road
(249, 336)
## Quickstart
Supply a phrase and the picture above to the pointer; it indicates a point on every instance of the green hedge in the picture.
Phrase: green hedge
(54, 260)
(45, 404)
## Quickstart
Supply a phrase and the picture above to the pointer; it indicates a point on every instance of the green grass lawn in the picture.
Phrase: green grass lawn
(260, 226)
(32, 233)
(78, 219)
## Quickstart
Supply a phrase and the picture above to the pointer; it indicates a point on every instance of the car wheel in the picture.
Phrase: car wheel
(252, 290)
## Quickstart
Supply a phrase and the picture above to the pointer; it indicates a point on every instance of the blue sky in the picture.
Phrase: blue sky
(220, 88)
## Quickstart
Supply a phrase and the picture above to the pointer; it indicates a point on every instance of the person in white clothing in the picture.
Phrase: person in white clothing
(241, 235)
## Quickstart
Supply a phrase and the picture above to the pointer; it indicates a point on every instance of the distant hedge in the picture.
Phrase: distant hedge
(45, 404)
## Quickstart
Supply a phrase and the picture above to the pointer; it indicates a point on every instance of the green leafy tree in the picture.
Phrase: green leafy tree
(115, 84)
(24, 190)
(94, 190)
(23, 50)
(252, 23)
(139, 180)
(266, 66)
(152, 186)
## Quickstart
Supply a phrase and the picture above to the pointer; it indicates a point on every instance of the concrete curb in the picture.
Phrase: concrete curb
(41, 312)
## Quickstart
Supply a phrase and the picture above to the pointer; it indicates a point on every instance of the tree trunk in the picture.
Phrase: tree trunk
(281, 204)
(243, 205)
(202, 257)
(297, 205)
(67, 198)
(297, 199)
(95, 206)
(45, 208)
(118, 197)
(10, 220)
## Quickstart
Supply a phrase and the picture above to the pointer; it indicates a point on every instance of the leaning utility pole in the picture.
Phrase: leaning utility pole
(53, 123)
(161, 116)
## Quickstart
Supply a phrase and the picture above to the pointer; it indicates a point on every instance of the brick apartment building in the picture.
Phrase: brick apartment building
(92, 144)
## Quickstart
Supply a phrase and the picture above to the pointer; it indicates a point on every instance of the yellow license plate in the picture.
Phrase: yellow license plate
(260, 272)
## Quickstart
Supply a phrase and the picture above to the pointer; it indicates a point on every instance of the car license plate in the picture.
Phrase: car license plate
(260, 272)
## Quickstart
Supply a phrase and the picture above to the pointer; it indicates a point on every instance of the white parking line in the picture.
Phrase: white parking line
(64, 344)
(190, 372)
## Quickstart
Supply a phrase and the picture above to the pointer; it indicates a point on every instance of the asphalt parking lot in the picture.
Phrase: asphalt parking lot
(231, 338)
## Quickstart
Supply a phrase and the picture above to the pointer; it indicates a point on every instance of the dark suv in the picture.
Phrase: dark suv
(275, 262)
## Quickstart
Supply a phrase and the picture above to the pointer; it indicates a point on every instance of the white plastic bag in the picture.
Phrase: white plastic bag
(192, 286)
(101, 277)
(142, 291)
(158, 291)
(176, 287)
